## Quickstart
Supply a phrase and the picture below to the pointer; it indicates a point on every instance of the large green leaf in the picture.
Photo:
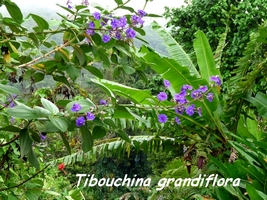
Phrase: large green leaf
(33, 159)
(41, 22)
(174, 49)
(49, 106)
(23, 112)
(205, 57)
(136, 95)
(59, 123)
(178, 76)
(14, 11)
(25, 142)
(260, 101)
(253, 193)
(9, 89)
(87, 139)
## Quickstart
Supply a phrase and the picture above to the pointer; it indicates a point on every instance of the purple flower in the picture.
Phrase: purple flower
(118, 35)
(141, 13)
(216, 79)
(42, 136)
(130, 33)
(114, 23)
(80, 121)
(203, 89)
(106, 38)
(180, 98)
(85, 2)
(91, 25)
(68, 4)
(166, 83)
(12, 120)
(177, 120)
(199, 111)
(90, 32)
(162, 96)
(97, 15)
(186, 87)
(11, 104)
(180, 109)
(190, 110)
(135, 19)
(196, 94)
(162, 118)
(90, 116)
(103, 102)
(123, 22)
(76, 107)
(210, 97)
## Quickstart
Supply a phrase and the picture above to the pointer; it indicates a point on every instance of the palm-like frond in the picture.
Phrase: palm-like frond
(246, 73)
(118, 148)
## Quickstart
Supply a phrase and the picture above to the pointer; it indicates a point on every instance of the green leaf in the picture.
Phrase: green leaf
(99, 132)
(123, 135)
(49, 106)
(260, 101)
(119, 2)
(10, 128)
(41, 112)
(205, 57)
(14, 11)
(66, 143)
(121, 49)
(34, 38)
(59, 123)
(25, 142)
(37, 77)
(175, 50)
(9, 89)
(33, 159)
(122, 112)
(61, 79)
(136, 95)
(110, 122)
(73, 72)
(79, 53)
(104, 58)
(86, 104)
(23, 112)
(41, 22)
(105, 88)
(127, 8)
(253, 193)
(87, 139)
(67, 9)
(128, 70)
(94, 71)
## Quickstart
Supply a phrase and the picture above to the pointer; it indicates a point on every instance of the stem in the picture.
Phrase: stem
(7, 143)
(46, 55)
(119, 6)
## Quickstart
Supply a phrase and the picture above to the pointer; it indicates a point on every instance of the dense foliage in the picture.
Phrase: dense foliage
(157, 116)
(229, 20)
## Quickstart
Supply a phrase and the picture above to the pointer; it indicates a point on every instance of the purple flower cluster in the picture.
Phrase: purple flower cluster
(118, 28)
(182, 102)
(80, 121)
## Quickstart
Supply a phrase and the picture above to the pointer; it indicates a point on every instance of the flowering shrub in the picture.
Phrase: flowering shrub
(182, 104)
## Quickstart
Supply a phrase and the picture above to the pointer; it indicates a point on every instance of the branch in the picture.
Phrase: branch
(45, 55)
(3, 189)
(7, 143)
